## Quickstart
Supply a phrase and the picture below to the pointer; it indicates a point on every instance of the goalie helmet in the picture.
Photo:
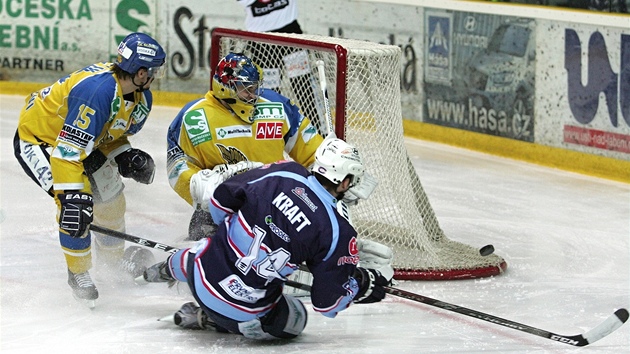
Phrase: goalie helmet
(237, 81)
(335, 159)
(139, 50)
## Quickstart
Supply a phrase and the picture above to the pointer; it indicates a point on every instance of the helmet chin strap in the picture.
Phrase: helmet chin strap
(140, 88)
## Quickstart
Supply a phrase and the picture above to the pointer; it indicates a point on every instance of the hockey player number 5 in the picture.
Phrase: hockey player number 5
(83, 118)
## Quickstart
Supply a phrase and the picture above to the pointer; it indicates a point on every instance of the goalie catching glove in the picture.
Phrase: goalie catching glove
(204, 182)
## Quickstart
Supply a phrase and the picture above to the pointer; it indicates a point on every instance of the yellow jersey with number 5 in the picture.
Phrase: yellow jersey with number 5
(78, 114)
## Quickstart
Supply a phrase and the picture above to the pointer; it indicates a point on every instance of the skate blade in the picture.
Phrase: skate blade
(140, 280)
(91, 304)
(169, 319)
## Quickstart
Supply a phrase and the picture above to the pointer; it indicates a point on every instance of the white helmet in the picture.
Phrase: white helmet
(335, 159)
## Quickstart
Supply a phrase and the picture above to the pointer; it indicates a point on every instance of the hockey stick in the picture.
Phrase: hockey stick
(134, 239)
(612, 323)
(166, 248)
(323, 86)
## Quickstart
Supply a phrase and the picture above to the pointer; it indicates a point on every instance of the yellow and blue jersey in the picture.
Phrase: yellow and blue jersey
(78, 114)
(205, 134)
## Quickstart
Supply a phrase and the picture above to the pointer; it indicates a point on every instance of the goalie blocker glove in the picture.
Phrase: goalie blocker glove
(371, 285)
(136, 164)
(204, 182)
(76, 213)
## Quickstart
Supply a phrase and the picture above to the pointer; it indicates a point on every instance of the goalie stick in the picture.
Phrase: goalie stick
(323, 86)
(611, 324)
(364, 189)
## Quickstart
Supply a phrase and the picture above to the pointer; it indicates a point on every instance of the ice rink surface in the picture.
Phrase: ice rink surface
(564, 236)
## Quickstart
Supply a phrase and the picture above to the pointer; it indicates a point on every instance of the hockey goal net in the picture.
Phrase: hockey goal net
(363, 81)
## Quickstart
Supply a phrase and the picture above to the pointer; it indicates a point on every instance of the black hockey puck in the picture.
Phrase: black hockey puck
(486, 250)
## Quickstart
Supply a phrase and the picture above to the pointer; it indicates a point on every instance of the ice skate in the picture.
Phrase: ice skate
(83, 288)
(190, 316)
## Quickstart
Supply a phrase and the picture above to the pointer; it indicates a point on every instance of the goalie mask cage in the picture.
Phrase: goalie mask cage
(363, 81)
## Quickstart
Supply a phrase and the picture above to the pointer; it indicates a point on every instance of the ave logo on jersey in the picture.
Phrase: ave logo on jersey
(268, 130)
(301, 193)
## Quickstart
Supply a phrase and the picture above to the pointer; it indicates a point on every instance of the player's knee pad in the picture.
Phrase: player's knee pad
(287, 319)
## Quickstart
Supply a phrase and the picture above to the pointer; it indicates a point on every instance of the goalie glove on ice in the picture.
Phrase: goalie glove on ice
(76, 213)
(371, 283)
(204, 182)
(136, 164)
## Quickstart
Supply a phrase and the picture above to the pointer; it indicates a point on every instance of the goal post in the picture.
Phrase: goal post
(363, 81)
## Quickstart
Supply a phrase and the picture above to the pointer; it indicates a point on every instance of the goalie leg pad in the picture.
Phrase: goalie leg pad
(201, 226)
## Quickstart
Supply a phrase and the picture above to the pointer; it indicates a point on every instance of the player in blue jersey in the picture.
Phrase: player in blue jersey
(72, 140)
(272, 219)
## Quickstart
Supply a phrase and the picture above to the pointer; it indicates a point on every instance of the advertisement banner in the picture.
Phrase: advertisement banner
(42, 41)
(588, 92)
(480, 73)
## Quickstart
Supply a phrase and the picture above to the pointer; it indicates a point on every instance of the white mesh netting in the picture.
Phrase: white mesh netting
(363, 81)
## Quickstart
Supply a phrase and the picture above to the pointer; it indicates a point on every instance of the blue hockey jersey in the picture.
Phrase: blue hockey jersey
(271, 220)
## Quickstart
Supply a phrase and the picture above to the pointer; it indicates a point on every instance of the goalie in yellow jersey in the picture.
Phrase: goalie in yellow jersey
(236, 126)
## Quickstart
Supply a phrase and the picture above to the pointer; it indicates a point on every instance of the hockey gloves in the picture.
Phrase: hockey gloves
(76, 213)
(136, 164)
(371, 283)
(204, 182)
(157, 273)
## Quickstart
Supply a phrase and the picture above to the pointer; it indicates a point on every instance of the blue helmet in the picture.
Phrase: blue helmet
(139, 50)
(234, 73)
